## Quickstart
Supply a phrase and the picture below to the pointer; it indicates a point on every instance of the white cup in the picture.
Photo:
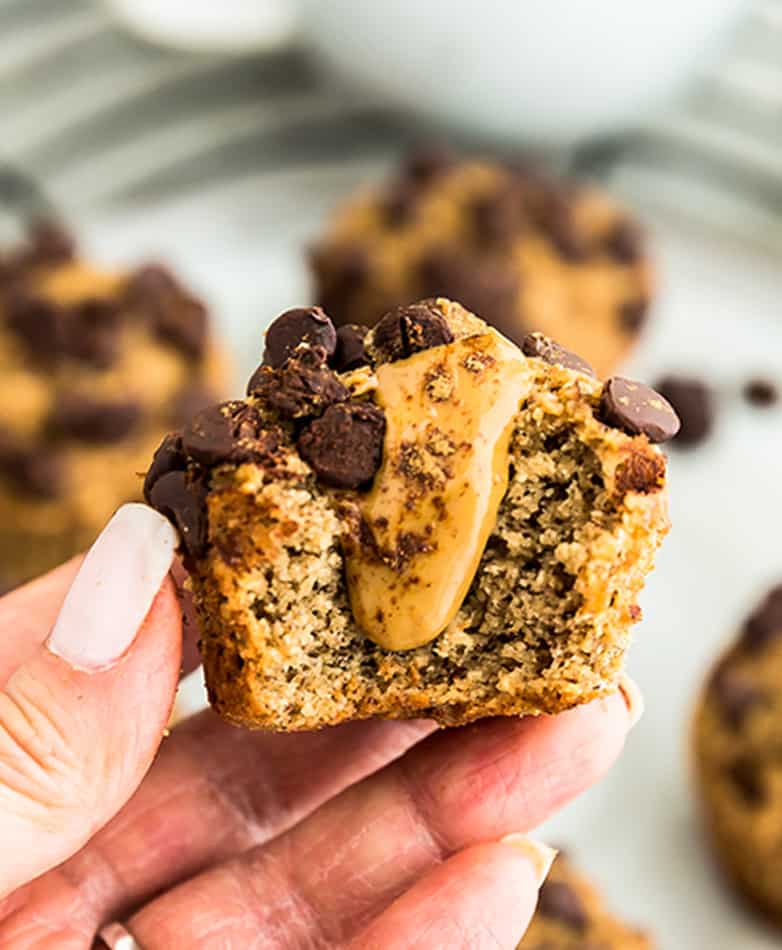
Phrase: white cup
(548, 72)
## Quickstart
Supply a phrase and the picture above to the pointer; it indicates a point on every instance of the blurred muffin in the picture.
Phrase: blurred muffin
(95, 366)
(572, 915)
(521, 250)
(737, 744)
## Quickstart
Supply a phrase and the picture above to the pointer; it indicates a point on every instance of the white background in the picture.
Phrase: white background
(719, 314)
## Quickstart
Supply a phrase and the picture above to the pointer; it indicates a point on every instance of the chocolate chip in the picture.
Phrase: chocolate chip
(50, 243)
(761, 392)
(487, 288)
(559, 901)
(399, 203)
(308, 325)
(303, 386)
(98, 421)
(427, 163)
(497, 219)
(184, 504)
(39, 322)
(93, 332)
(175, 316)
(735, 695)
(565, 233)
(624, 242)
(410, 329)
(633, 314)
(231, 433)
(692, 400)
(764, 624)
(637, 410)
(341, 270)
(191, 399)
(36, 472)
(345, 445)
(351, 352)
(746, 776)
(536, 344)
(169, 456)
(644, 474)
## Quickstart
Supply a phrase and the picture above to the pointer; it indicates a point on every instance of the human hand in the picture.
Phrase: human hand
(370, 835)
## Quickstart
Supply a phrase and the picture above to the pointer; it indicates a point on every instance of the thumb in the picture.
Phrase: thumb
(81, 720)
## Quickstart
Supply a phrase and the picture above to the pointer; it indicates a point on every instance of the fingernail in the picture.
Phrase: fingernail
(539, 855)
(114, 589)
(633, 697)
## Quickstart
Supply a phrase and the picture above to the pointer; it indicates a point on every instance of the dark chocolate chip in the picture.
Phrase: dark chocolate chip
(182, 503)
(93, 332)
(637, 410)
(536, 344)
(735, 695)
(189, 400)
(624, 242)
(497, 219)
(427, 163)
(693, 402)
(399, 203)
(351, 351)
(410, 329)
(169, 457)
(302, 387)
(231, 433)
(303, 325)
(387, 337)
(341, 270)
(40, 323)
(747, 778)
(175, 316)
(36, 472)
(559, 901)
(565, 234)
(82, 417)
(49, 243)
(761, 392)
(633, 314)
(345, 445)
(764, 624)
(485, 287)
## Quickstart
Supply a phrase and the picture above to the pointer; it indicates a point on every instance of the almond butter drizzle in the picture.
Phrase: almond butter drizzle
(434, 501)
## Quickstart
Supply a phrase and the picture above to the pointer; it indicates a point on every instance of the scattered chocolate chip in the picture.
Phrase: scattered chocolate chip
(231, 433)
(387, 337)
(487, 288)
(761, 392)
(410, 329)
(564, 232)
(351, 352)
(39, 322)
(428, 162)
(189, 400)
(49, 243)
(633, 314)
(637, 410)
(559, 901)
(82, 417)
(340, 271)
(735, 695)
(183, 504)
(169, 457)
(345, 445)
(764, 624)
(747, 778)
(302, 387)
(693, 402)
(175, 315)
(624, 242)
(644, 474)
(308, 325)
(536, 344)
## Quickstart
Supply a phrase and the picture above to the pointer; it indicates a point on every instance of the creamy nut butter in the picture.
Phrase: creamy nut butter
(425, 522)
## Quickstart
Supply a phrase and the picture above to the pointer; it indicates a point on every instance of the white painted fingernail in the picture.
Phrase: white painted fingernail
(633, 697)
(539, 855)
(119, 578)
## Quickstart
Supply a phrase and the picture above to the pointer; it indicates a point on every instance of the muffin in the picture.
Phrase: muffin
(96, 365)
(524, 251)
(424, 520)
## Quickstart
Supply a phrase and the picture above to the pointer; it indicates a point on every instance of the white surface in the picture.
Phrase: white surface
(548, 72)
(719, 314)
